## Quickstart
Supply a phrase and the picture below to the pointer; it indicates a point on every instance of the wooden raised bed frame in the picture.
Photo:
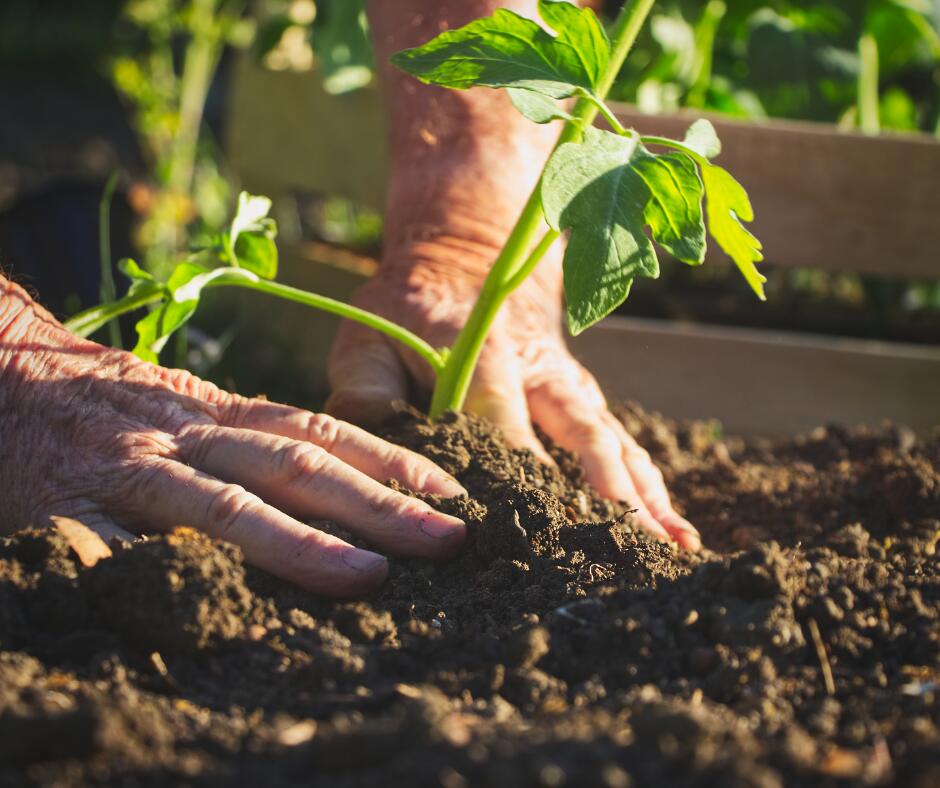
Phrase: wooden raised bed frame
(824, 199)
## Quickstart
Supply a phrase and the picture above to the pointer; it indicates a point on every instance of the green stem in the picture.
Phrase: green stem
(199, 63)
(91, 320)
(393, 330)
(608, 115)
(85, 323)
(515, 258)
(869, 113)
(668, 143)
(107, 291)
(705, 32)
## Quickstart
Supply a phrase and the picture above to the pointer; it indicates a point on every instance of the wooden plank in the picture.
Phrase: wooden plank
(824, 199)
(286, 132)
(754, 381)
(830, 200)
(761, 382)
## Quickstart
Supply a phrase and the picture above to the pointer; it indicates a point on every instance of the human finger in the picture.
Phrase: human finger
(169, 494)
(305, 479)
(373, 456)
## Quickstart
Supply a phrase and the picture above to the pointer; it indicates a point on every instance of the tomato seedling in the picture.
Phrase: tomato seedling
(605, 187)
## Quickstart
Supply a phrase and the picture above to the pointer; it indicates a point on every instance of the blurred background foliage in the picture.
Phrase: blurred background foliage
(870, 65)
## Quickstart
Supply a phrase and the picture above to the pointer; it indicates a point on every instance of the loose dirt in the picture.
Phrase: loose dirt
(562, 648)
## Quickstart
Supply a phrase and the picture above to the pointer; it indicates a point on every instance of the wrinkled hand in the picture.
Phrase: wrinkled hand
(526, 374)
(102, 437)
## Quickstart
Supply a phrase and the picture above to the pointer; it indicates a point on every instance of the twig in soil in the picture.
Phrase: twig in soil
(163, 671)
(823, 656)
(517, 524)
(620, 518)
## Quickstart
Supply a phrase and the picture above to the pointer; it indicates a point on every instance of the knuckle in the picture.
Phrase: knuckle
(586, 432)
(296, 461)
(227, 507)
(323, 430)
(194, 442)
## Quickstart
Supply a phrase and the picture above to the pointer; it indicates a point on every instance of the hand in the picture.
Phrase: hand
(99, 436)
(526, 374)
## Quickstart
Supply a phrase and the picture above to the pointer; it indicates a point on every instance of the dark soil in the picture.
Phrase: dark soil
(561, 649)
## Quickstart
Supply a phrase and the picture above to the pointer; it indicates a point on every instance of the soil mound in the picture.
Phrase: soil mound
(562, 647)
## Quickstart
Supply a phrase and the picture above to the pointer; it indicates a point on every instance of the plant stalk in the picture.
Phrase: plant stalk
(91, 320)
(515, 258)
(869, 111)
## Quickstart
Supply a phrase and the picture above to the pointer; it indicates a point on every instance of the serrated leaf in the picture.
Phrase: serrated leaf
(579, 29)
(703, 139)
(506, 50)
(727, 206)
(606, 189)
(674, 210)
(535, 106)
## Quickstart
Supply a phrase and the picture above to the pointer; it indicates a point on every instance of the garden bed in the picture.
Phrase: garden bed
(560, 648)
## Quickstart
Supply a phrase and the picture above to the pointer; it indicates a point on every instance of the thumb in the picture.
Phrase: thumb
(497, 393)
(366, 376)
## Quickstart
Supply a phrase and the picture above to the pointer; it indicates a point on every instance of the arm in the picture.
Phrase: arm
(463, 164)
(121, 445)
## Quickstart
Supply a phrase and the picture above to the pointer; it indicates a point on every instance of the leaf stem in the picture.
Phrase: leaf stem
(869, 114)
(407, 338)
(609, 116)
(91, 320)
(515, 262)
(665, 142)
(85, 323)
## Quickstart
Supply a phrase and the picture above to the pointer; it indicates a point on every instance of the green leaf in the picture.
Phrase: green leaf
(249, 242)
(141, 281)
(156, 328)
(606, 189)
(340, 39)
(579, 29)
(727, 206)
(674, 210)
(703, 139)
(537, 107)
(258, 253)
(506, 50)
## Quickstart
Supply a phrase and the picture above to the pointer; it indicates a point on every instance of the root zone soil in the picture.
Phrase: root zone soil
(561, 648)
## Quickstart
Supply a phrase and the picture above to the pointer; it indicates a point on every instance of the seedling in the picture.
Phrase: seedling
(604, 187)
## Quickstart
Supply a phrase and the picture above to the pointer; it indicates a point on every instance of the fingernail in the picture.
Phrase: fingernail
(692, 542)
(441, 526)
(362, 560)
(447, 486)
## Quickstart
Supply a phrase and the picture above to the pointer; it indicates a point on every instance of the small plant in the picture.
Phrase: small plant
(604, 187)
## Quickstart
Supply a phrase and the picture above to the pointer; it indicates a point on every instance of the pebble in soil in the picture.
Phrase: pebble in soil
(561, 648)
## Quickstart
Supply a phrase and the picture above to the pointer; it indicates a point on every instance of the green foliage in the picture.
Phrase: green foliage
(341, 43)
(609, 188)
(249, 242)
(506, 50)
(606, 189)
(246, 252)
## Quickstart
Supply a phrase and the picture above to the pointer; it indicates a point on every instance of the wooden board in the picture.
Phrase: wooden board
(830, 200)
(285, 132)
(762, 382)
(823, 199)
